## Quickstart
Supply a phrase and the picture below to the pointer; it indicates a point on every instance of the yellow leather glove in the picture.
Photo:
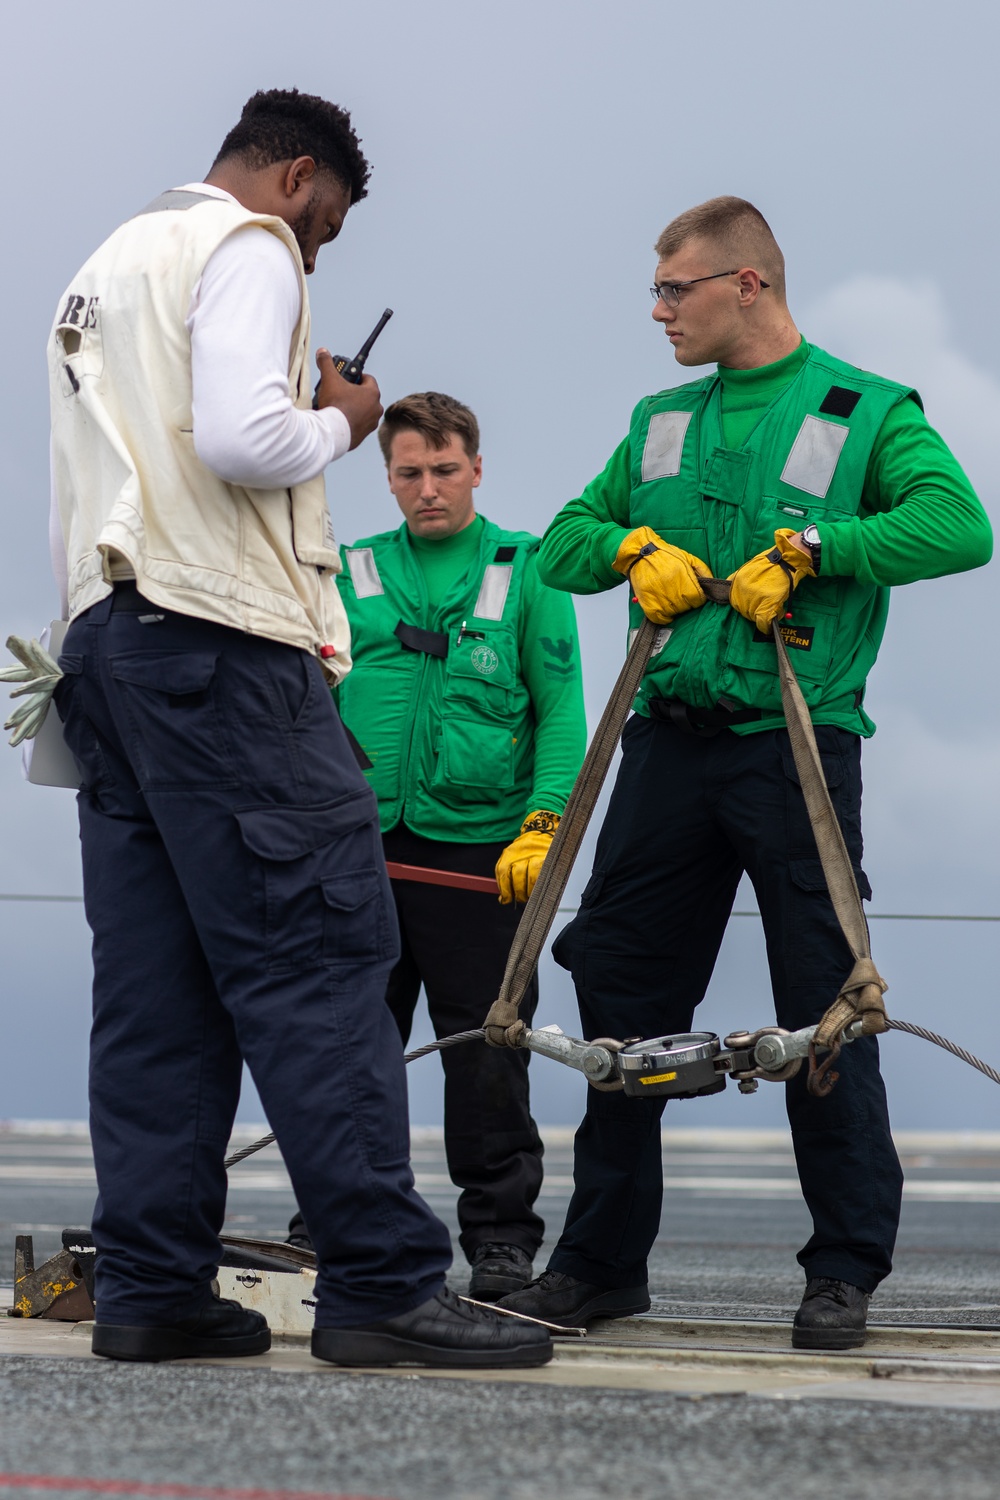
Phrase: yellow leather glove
(664, 578)
(520, 864)
(760, 589)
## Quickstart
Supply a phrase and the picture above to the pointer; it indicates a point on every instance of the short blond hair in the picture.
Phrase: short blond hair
(738, 230)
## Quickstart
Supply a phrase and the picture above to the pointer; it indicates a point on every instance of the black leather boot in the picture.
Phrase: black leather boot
(222, 1330)
(556, 1298)
(833, 1315)
(498, 1270)
(298, 1234)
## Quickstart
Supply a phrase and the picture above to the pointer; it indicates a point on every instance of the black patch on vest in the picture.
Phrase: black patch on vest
(505, 554)
(839, 401)
(430, 642)
(795, 637)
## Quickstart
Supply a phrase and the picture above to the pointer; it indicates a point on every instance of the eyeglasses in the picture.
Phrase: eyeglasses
(669, 292)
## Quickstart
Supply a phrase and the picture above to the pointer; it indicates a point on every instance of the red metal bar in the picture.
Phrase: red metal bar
(160, 1491)
(422, 876)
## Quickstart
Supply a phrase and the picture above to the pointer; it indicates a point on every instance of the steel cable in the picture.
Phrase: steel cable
(952, 1047)
(446, 1041)
(480, 1032)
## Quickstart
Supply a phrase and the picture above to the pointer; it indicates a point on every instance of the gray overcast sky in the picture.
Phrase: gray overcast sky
(525, 158)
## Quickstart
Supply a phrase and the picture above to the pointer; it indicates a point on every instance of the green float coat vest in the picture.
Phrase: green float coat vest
(805, 461)
(450, 738)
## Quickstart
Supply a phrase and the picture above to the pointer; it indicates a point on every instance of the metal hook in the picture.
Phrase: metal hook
(820, 1081)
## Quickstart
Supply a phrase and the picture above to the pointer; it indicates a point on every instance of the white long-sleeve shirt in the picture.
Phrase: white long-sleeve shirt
(241, 318)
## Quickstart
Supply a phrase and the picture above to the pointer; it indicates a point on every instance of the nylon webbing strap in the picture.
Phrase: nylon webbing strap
(860, 997)
(430, 642)
(503, 1027)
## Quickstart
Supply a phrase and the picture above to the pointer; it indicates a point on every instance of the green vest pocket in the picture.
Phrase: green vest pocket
(809, 637)
(480, 673)
(476, 761)
(725, 475)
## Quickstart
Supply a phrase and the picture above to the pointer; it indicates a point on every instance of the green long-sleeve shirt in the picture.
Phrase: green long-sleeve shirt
(550, 665)
(443, 560)
(919, 515)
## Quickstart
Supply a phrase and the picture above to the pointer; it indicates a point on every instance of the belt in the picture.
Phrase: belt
(701, 721)
(126, 596)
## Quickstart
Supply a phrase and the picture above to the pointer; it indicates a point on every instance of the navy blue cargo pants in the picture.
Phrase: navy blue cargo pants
(456, 944)
(687, 817)
(235, 887)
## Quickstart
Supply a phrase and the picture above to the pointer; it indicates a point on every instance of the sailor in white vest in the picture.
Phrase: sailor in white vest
(232, 865)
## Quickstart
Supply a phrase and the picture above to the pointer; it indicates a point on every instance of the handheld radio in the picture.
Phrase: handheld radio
(353, 369)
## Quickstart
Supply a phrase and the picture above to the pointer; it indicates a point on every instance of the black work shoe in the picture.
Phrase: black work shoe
(298, 1234)
(556, 1298)
(222, 1330)
(497, 1270)
(833, 1315)
(443, 1331)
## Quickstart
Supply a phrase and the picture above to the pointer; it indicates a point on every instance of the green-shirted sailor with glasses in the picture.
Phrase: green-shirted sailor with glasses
(815, 487)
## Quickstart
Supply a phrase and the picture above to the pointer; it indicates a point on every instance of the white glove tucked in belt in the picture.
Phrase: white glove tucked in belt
(38, 674)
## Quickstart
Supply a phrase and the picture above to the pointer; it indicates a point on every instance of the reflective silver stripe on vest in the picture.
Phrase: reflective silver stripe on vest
(493, 592)
(661, 457)
(175, 199)
(813, 460)
(364, 572)
(660, 639)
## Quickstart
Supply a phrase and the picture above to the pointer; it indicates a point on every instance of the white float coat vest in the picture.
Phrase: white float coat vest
(126, 473)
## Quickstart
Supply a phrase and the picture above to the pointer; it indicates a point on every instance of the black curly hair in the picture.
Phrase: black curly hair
(280, 124)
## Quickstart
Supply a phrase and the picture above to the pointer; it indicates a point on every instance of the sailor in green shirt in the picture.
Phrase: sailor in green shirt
(814, 486)
(466, 697)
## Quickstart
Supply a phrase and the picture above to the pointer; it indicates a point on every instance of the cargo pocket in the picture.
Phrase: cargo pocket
(77, 728)
(817, 957)
(840, 755)
(569, 946)
(321, 896)
(174, 729)
(355, 929)
(808, 875)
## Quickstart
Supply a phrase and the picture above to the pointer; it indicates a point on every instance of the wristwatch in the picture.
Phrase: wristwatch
(810, 540)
